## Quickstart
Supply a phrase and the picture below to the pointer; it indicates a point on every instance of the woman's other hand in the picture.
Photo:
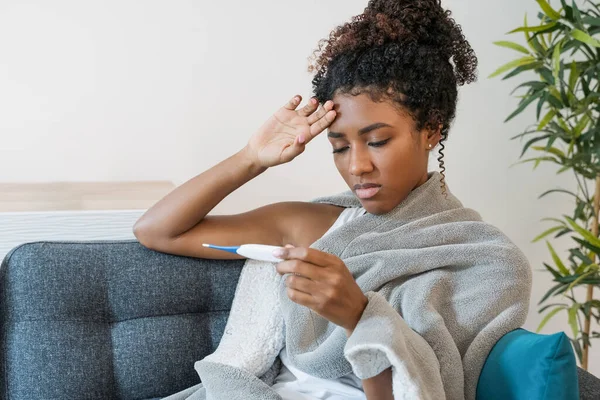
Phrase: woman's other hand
(285, 134)
(322, 282)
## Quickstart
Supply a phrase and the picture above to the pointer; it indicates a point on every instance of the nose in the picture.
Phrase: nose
(360, 161)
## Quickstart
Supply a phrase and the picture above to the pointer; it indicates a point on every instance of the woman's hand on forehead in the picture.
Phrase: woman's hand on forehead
(285, 134)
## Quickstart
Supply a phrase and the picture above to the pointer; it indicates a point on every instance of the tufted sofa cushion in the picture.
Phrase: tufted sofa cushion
(107, 319)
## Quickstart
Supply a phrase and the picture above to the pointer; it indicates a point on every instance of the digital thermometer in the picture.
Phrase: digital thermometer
(261, 252)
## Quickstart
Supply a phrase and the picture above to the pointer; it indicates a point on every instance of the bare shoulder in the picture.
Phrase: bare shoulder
(302, 223)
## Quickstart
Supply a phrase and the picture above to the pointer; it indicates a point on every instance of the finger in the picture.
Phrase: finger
(309, 108)
(293, 103)
(311, 255)
(320, 112)
(301, 268)
(322, 123)
(296, 148)
(301, 284)
(308, 255)
(301, 298)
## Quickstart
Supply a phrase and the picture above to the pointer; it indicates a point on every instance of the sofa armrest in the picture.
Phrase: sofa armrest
(589, 385)
(111, 319)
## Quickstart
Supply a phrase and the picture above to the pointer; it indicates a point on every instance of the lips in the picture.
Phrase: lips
(365, 185)
(367, 190)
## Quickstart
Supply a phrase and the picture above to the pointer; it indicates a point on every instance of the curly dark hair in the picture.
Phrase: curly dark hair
(399, 50)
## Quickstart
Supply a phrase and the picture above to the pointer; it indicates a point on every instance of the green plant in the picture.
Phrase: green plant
(564, 57)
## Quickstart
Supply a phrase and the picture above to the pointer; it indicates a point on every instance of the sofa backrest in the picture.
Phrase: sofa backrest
(108, 319)
(113, 319)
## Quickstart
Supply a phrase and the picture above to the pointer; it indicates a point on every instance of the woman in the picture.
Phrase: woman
(387, 81)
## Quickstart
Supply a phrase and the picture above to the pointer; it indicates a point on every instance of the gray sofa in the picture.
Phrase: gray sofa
(115, 320)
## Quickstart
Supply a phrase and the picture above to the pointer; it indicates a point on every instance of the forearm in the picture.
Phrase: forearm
(382, 336)
(190, 202)
(379, 387)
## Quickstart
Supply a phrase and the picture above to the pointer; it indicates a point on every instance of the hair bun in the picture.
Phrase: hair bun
(406, 20)
(422, 22)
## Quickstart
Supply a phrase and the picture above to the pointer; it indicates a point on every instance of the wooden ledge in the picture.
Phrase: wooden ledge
(53, 196)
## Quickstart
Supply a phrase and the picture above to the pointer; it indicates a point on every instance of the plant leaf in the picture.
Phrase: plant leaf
(534, 28)
(547, 318)
(563, 169)
(563, 125)
(532, 141)
(524, 104)
(554, 272)
(526, 67)
(541, 310)
(527, 133)
(591, 21)
(584, 38)
(542, 37)
(552, 150)
(527, 35)
(547, 118)
(573, 319)
(573, 76)
(577, 348)
(568, 11)
(552, 290)
(586, 260)
(553, 219)
(546, 233)
(556, 61)
(587, 245)
(580, 278)
(576, 14)
(561, 191)
(549, 11)
(585, 86)
(540, 104)
(546, 75)
(512, 45)
(561, 267)
(538, 159)
(587, 235)
(515, 63)
(537, 46)
(583, 122)
(535, 85)
(554, 98)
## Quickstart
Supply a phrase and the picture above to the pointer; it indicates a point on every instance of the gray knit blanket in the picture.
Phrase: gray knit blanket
(443, 287)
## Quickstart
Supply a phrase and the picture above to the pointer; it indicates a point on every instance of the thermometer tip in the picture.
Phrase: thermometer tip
(205, 245)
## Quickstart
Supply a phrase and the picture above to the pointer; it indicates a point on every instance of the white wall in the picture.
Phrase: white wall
(131, 90)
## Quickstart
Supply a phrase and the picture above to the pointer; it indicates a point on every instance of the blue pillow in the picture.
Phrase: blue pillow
(532, 366)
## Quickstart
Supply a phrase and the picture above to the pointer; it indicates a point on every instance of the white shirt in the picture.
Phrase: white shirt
(294, 384)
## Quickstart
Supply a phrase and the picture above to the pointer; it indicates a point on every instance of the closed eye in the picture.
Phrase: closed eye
(379, 144)
(374, 144)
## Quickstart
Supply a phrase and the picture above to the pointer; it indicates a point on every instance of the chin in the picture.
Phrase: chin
(374, 207)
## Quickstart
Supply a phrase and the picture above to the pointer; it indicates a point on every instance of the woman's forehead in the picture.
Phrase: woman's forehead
(356, 112)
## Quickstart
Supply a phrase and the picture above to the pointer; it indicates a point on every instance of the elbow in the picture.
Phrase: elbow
(150, 239)
(142, 235)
